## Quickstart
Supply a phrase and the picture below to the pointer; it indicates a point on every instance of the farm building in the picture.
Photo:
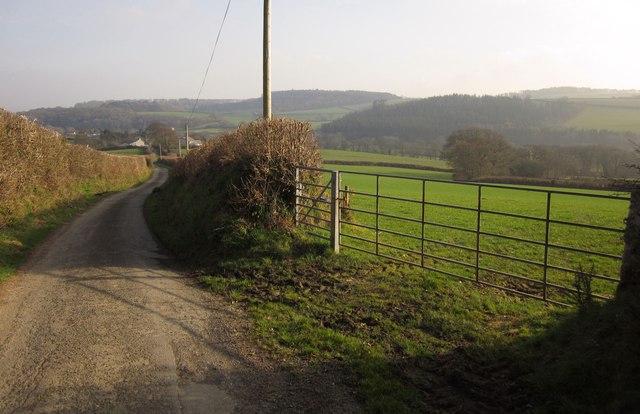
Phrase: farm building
(192, 142)
(139, 143)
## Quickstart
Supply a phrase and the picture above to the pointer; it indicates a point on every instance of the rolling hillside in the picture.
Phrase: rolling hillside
(382, 122)
(421, 126)
(212, 116)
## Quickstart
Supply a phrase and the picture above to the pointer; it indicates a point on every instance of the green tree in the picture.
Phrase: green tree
(477, 152)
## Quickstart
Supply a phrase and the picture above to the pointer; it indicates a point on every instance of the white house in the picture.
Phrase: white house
(192, 142)
(139, 143)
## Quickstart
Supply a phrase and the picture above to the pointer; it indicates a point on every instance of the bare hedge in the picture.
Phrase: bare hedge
(39, 169)
(258, 158)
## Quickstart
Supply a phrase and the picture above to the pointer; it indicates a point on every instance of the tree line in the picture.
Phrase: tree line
(479, 152)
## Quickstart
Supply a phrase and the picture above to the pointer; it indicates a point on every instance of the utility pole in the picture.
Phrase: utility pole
(180, 143)
(266, 62)
(187, 138)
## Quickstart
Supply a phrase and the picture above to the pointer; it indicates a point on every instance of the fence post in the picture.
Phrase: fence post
(478, 228)
(298, 193)
(545, 274)
(377, 215)
(424, 189)
(335, 211)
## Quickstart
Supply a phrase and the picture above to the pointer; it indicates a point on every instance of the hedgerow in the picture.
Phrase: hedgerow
(224, 190)
(40, 170)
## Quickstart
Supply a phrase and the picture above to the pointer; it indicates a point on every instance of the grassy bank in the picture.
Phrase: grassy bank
(409, 342)
(417, 342)
(44, 181)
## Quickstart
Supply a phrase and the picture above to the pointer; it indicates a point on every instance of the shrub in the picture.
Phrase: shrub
(39, 169)
(224, 190)
(261, 157)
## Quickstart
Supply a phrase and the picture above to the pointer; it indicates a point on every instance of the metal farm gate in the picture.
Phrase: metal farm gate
(544, 244)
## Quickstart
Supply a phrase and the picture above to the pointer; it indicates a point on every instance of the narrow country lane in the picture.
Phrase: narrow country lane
(99, 320)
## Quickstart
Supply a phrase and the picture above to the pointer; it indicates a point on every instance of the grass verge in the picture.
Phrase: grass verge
(416, 342)
(410, 342)
(20, 236)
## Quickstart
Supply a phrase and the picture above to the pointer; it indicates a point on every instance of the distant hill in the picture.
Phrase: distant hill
(127, 115)
(436, 117)
(571, 92)
(422, 126)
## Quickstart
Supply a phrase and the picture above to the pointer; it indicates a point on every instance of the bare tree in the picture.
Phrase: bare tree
(161, 134)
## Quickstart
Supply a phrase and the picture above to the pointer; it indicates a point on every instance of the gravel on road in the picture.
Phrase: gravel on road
(101, 319)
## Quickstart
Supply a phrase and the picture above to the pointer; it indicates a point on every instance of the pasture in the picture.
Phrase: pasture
(316, 117)
(621, 114)
(128, 151)
(368, 157)
(180, 115)
(451, 224)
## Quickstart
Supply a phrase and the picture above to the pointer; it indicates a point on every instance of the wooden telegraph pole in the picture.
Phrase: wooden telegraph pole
(187, 138)
(266, 62)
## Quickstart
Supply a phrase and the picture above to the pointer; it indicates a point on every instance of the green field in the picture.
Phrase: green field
(233, 119)
(317, 117)
(128, 151)
(238, 118)
(621, 114)
(398, 171)
(339, 155)
(569, 208)
(181, 115)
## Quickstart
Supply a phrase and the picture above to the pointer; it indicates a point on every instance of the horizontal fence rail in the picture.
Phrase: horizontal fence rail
(556, 246)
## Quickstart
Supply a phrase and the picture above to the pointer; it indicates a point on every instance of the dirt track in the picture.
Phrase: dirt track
(100, 320)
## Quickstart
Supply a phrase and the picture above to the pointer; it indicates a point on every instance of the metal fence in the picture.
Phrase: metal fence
(552, 245)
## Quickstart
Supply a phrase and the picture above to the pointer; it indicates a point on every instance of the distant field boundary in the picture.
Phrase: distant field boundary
(598, 184)
(582, 184)
(388, 164)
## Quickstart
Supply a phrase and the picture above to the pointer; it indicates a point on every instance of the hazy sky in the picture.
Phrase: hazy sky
(60, 52)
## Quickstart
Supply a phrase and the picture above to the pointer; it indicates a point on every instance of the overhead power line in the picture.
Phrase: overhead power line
(213, 52)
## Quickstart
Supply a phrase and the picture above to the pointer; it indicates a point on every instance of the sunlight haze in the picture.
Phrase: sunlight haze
(58, 53)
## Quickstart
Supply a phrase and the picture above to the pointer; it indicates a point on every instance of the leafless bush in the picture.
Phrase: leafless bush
(583, 294)
(39, 169)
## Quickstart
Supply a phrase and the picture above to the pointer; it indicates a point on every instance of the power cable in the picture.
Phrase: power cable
(213, 52)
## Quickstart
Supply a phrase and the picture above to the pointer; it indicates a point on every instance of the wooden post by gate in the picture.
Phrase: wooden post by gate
(335, 211)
